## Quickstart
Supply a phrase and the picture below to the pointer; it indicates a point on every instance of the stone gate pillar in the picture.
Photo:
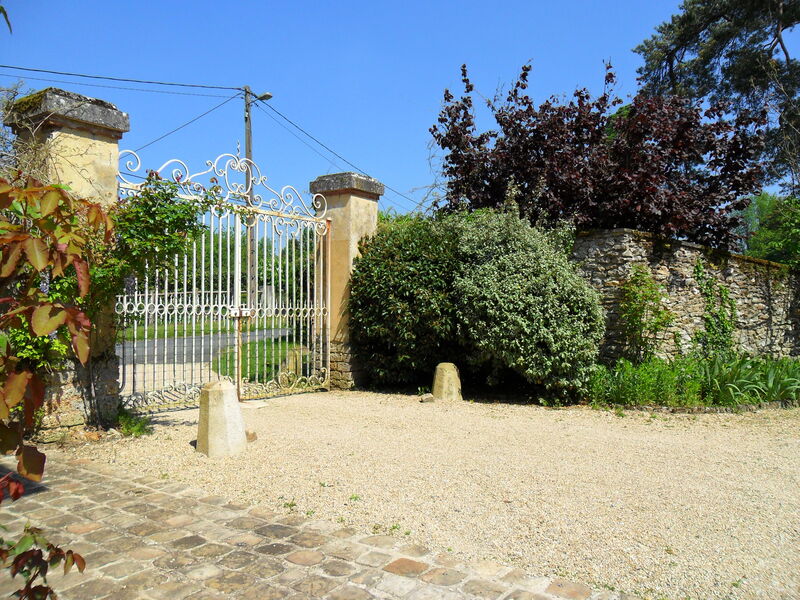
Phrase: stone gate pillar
(352, 201)
(69, 139)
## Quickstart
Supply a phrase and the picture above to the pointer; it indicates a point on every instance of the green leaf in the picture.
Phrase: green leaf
(24, 544)
(5, 16)
(37, 252)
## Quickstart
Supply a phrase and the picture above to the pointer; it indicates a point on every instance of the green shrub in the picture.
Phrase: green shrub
(485, 290)
(522, 305)
(642, 313)
(401, 302)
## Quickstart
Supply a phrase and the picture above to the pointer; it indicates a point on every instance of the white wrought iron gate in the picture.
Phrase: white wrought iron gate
(248, 302)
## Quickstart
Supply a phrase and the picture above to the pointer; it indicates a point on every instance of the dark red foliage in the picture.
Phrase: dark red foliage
(660, 164)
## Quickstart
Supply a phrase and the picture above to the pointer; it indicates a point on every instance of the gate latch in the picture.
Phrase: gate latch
(241, 312)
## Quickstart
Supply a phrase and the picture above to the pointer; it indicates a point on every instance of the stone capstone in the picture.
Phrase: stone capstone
(446, 382)
(344, 182)
(59, 108)
(220, 431)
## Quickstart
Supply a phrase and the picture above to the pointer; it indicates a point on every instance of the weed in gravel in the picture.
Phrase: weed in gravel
(310, 513)
(291, 504)
(355, 498)
(132, 425)
(324, 485)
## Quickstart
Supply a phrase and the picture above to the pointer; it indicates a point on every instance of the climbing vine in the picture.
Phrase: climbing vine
(643, 315)
(719, 315)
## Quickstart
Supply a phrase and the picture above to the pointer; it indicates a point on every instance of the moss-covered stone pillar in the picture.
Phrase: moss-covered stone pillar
(352, 206)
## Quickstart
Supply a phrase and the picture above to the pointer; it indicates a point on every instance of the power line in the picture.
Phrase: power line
(179, 127)
(312, 148)
(258, 106)
(329, 149)
(113, 87)
(143, 81)
(186, 85)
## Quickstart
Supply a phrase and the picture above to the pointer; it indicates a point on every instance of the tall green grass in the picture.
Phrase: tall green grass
(695, 381)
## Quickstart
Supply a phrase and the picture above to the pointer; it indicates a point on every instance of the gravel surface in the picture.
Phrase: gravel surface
(667, 506)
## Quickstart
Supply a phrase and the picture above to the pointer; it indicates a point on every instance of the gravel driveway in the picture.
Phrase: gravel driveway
(667, 506)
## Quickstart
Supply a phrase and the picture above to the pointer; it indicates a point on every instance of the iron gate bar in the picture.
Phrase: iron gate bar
(268, 316)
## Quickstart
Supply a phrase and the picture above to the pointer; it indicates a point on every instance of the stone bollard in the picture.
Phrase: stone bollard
(220, 431)
(446, 382)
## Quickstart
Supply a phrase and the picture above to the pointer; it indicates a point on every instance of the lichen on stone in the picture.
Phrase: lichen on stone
(30, 102)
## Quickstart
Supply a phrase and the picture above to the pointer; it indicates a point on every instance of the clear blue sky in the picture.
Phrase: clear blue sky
(366, 78)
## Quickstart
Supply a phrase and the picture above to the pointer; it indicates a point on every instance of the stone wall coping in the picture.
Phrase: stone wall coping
(61, 108)
(684, 244)
(337, 183)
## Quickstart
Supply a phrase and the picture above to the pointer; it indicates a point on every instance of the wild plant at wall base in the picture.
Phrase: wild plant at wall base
(695, 380)
(779, 380)
(653, 382)
(40, 238)
(730, 381)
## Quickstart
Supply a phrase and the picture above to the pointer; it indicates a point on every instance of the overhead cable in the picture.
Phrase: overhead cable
(125, 79)
(189, 122)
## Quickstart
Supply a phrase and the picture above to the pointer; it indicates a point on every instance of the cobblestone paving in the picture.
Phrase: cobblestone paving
(151, 539)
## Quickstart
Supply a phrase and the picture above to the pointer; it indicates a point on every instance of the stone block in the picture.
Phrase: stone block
(220, 431)
(446, 382)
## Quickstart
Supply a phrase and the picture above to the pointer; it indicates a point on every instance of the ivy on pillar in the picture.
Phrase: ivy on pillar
(352, 206)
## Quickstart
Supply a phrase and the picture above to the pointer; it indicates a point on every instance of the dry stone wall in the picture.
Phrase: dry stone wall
(767, 294)
(68, 399)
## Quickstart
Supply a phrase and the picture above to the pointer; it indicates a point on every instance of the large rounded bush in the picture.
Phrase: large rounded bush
(523, 306)
(401, 303)
(485, 290)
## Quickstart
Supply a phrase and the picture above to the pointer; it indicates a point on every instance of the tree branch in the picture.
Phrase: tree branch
(779, 33)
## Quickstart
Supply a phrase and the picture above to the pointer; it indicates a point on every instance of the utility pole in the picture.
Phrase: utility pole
(253, 292)
(248, 138)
